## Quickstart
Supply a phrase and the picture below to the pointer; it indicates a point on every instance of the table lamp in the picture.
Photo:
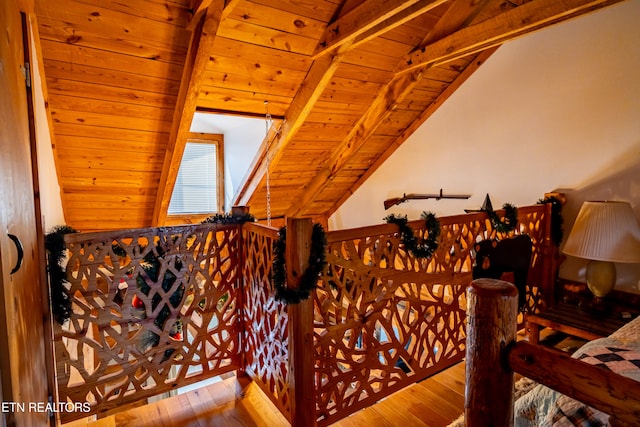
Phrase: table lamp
(604, 233)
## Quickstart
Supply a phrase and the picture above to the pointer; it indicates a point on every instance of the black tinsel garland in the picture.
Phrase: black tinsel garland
(151, 264)
(229, 218)
(506, 224)
(556, 218)
(60, 301)
(419, 248)
(309, 280)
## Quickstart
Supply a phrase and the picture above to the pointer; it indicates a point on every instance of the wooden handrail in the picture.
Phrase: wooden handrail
(380, 229)
(261, 229)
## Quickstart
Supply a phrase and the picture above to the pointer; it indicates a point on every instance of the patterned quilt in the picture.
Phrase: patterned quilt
(544, 407)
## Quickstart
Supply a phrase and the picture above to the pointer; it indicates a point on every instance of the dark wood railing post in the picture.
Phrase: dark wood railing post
(241, 210)
(491, 327)
(301, 360)
(548, 252)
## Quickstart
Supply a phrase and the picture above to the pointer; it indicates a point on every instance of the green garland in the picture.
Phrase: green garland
(508, 222)
(228, 218)
(556, 218)
(420, 248)
(151, 267)
(60, 301)
(309, 280)
(151, 264)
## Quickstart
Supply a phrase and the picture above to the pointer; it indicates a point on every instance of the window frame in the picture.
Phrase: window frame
(211, 139)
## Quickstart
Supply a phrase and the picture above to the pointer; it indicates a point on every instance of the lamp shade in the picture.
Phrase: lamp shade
(605, 231)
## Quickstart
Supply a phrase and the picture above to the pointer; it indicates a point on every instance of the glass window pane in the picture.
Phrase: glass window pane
(195, 189)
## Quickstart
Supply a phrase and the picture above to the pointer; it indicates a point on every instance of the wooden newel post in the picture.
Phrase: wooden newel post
(301, 360)
(491, 327)
(239, 210)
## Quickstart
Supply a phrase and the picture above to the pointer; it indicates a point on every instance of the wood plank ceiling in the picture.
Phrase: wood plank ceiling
(351, 78)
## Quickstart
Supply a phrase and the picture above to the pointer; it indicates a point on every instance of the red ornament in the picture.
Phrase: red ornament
(177, 336)
(136, 302)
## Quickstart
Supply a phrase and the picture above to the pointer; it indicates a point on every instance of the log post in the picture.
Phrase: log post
(301, 360)
(492, 307)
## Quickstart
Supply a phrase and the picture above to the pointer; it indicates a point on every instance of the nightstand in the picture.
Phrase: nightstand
(580, 321)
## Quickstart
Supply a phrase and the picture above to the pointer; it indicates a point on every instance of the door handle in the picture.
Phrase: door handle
(18, 244)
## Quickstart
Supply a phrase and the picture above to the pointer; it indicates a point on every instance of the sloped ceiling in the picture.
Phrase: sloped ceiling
(350, 79)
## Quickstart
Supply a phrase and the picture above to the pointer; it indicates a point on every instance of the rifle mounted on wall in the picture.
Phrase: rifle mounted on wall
(412, 196)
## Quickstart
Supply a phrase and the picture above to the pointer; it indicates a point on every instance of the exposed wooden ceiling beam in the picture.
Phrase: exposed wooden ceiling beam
(228, 8)
(359, 20)
(468, 40)
(398, 19)
(457, 15)
(201, 42)
(199, 7)
(495, 31)
(323, 69)
(315, 82)
(432, 108)
(386, 101)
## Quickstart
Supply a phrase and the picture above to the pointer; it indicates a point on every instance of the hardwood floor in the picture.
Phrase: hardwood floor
(434, 402)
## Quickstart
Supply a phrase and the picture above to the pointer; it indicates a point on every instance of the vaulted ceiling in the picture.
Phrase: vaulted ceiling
(352, 79)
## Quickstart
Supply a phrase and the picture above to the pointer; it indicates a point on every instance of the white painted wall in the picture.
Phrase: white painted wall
(50, 197)
(559, 109)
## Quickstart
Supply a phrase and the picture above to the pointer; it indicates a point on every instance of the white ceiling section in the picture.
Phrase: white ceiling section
(242, 138)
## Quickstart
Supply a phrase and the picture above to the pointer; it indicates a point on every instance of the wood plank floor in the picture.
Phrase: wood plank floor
(434, 402)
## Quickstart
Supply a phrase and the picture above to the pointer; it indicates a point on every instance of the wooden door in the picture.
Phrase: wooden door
(22, 344)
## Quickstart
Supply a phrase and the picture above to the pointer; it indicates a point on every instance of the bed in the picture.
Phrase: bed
(619, 353)
(604, 373)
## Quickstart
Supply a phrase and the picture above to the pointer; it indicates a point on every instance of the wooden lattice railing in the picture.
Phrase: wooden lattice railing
(266, 323)
(384, 319)
(153, 310)
(157, 309)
